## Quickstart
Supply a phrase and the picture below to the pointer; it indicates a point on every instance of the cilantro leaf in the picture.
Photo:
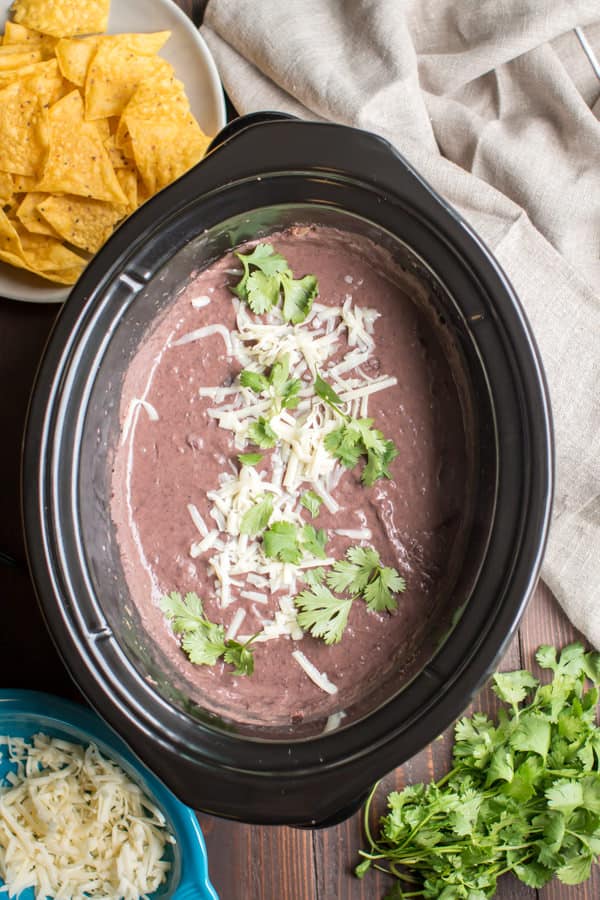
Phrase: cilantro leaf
(250, 459)
(314, 576)
(257, 517)
(240, 656)
(184, 614)
(285, 389)
(343, 443)
(266, 277)
(253, 380)
(261, 434)
(265, 260)
(323, 614)
(326, 392)
(356, 438)
(379, 593)
(205, 645)
(313, 541)
(312, 502)
(513, 687)
(281, 542)
(204, 641)
(262, 292)
(298, 297)
(361, 573)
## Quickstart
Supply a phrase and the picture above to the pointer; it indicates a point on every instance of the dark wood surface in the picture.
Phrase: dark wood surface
(246, 862)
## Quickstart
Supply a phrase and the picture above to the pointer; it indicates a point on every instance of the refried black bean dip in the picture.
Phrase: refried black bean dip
(291, 484)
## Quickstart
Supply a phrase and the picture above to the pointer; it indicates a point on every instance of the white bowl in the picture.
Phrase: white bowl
(193, 64)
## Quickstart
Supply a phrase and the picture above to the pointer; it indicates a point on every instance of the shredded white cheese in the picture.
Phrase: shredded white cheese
(73, 826)
(134, 406)
(207, 331)
(319, 678)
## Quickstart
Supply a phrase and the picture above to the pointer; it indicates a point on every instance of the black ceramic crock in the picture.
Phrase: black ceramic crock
(262, 176)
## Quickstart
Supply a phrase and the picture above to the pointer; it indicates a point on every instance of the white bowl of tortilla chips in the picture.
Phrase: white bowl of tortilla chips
(96, 115)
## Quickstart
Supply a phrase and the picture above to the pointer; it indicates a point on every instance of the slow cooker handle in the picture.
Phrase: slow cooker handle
(242, 122)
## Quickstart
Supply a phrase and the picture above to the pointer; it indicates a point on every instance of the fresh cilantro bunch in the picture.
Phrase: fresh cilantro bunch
(356, 439)
(523, 795)
(202, 640)
(360, 575)
(278, 385)
(267, 279)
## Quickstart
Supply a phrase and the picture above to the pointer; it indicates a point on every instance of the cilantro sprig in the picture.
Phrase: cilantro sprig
(278, 385)
(523, 795)
(355, 439)
(288, 543)
(204, 641)
(322, 613)
(361, 574)
(267, 279)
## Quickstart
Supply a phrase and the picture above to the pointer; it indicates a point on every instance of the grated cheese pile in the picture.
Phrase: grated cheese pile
(73, 826)
(300, 460)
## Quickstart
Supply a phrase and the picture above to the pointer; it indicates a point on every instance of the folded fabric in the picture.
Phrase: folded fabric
(497, 106)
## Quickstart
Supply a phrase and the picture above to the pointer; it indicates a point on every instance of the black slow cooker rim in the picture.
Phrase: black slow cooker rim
(59, 616)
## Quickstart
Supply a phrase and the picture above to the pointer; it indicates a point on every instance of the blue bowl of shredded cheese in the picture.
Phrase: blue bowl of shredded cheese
(82, 818)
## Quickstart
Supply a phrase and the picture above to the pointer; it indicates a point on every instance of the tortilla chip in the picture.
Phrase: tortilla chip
(23, 184)
(23, 127)
(62, 18)
(103, 129)
(118, 157)
(6, 188)
(13, 252)
(31, 218)
(84, 223)
(13, 56)
(114, 74)
(19, 34)
(74, 56)
(128, 180)
(166, 139)
(77, 162)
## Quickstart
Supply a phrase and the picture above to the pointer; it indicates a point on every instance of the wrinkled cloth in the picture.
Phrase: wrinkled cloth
(496, 104)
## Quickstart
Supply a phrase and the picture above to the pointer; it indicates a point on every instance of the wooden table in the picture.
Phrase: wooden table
(246, 862)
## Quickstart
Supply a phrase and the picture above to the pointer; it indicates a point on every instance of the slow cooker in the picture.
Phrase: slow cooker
(262, 174)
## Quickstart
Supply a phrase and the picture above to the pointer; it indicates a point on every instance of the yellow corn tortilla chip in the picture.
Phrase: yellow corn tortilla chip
(12, 56)
(19, 34)
(6, 188)
(29, 215)
(103, 128)
(74, 56)
(77, 162)
(23, 184)
(47, 253)
(128, 179)
(116, 154)
(166, 139)
(23, 127)
(62, 18)
(84, 223)
(38, 254)
(113, 77)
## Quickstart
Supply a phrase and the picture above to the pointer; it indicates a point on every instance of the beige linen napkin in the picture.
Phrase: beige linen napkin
(496, 104)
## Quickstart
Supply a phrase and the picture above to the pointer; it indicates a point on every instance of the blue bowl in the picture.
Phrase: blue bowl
(24, 713)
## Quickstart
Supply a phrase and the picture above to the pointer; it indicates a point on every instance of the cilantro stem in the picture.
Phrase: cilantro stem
(367, 825)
